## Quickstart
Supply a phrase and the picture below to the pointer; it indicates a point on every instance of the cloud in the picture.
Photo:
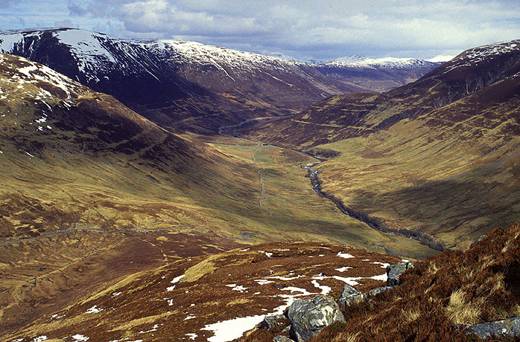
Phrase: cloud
(307, 28)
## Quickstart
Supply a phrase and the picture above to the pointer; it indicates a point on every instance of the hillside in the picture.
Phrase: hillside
(209, 298)
(423, 156)
(192, 86)
(91, 192)
(442, 299)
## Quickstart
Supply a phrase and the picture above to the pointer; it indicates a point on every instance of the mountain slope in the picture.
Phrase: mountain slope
(442, 298)
(184, 299)
(191, 86)
(90, 191)
(425, 155)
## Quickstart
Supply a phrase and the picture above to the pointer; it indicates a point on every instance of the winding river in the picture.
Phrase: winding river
(375, 223)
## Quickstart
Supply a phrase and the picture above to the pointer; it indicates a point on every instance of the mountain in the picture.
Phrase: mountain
(425, 155)
(192, 86)
(379, 74)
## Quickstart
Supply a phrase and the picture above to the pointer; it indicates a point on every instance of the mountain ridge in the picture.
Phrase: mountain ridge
(192, 86)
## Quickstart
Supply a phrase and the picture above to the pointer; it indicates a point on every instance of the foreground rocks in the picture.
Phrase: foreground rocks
(275, 322)
(394, 272)
(498, 329)
(309, 317)
(306, 318)
(350, 296)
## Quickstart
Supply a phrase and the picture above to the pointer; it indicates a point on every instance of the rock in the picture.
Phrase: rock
(350, 296)
(282, 339)
(378, 290)
(394, 272)
(274, 322)
(309, 317)
(506, 328)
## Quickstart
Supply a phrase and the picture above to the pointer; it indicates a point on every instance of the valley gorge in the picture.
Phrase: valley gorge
(169, 190)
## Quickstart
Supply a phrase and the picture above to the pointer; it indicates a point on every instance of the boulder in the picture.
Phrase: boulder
(274, 322)
(350, 296)
(394, 272)
(282, 339)
(309, 317)
(498, 329)
(378, 290)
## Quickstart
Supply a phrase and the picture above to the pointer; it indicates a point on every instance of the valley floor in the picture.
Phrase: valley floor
(54, 270)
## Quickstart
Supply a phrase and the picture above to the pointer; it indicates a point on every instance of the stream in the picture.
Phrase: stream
(375, 223)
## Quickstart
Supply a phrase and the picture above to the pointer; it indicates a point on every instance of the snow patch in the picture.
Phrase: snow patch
(174, 282)
(40, 338)
(344, 255)
(94, 310)
(232, 329)
(238, 288)
(324, 289)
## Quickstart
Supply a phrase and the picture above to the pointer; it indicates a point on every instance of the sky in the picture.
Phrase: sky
(303, 29)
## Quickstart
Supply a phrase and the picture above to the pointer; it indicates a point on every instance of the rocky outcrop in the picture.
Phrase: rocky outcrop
(394, 272)
(274, 322)
(282, 339)
(350, 296)
(498, 329)
(309, 317)
(378, 290)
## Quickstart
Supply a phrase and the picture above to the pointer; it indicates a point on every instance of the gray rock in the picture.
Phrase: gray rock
(350, 296)
(274, 322)
(378, 290)
(506, 328)
(282, 339)
(309, 317)
(394, 272)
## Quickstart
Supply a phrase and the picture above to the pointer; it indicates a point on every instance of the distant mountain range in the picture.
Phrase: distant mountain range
(192, 86)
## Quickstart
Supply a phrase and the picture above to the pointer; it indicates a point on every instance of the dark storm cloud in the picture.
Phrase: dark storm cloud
(315, 29)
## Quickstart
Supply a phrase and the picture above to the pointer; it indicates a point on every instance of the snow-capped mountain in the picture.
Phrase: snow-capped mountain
(486, 54)
(171, 81)
(383, 63)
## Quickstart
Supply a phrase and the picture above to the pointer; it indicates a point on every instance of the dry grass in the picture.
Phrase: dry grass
(199, 270)
(411, 315)
(452, 297)
(461, 312)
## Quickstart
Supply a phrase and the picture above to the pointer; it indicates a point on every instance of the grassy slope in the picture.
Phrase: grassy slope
(451, 182)
(439, 296)
(136, 303)
(439, 155)
(287, 208)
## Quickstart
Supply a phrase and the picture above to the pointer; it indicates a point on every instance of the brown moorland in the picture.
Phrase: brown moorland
(442, 295)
